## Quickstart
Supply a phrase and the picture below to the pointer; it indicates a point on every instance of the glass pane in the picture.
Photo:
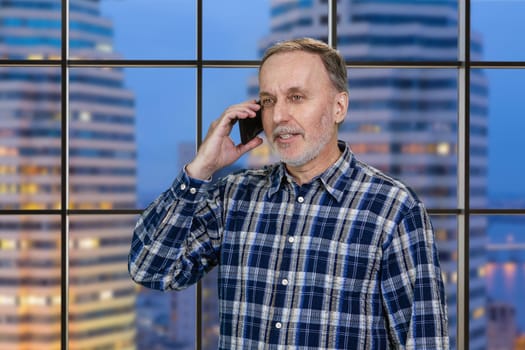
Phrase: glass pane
(30, 30)
(30, 299)
(296, 19)
(107, 310)
(502, 257)
(445, 231)
(398, 30)
(130, 131)
(496, 25)
(497, 128)
(478, 298)
(166, 320)
(111, 29)
(233, 30)
(404, 122)
(166, 126)
(480, 141)
(102, 136)
(30, 121)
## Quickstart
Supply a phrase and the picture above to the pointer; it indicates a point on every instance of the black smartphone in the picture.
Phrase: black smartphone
(250, 127)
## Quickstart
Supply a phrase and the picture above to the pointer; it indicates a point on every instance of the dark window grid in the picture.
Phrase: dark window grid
(464, 65)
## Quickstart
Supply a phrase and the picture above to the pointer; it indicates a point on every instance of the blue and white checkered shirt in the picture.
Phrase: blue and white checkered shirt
(347, 261)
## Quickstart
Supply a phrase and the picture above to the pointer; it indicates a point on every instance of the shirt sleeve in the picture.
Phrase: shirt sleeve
(412, 285)
(176, 240)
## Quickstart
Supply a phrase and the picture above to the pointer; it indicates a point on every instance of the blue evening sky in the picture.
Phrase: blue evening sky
(165, 29)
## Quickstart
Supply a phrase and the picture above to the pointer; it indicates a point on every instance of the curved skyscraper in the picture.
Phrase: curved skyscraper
(102, 169)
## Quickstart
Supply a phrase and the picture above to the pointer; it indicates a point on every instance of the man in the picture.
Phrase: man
(319, 251)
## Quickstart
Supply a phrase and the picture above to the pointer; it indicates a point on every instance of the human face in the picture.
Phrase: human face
(301, 109)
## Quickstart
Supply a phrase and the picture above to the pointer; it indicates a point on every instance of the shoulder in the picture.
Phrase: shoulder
(375, 182)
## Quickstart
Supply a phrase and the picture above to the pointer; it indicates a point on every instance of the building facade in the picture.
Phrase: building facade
(102, 175)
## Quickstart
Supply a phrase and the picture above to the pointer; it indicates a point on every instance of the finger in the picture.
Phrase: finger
(244, 110)
(253, 143)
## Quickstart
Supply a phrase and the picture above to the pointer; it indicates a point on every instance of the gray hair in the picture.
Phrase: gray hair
(333, 62)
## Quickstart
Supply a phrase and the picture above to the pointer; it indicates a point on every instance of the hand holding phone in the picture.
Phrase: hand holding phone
(251, 127)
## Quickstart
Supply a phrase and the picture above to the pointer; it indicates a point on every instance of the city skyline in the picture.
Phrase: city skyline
(155, 133)
(102, 175)
(492, 20)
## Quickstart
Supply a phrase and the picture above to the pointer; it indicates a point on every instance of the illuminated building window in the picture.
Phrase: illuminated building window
(478, 313)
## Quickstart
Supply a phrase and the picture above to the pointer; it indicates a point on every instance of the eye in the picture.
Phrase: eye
(266, 101)
(296, 98)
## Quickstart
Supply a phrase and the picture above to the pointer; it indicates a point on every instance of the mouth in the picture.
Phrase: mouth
(283, 134)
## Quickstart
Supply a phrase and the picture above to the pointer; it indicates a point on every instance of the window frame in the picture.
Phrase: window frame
(463, 211)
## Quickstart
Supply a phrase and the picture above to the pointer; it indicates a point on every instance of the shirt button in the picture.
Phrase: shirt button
(278, 325)
(193, 190)
(183, 187)
(284, 282)
(291, 239)
(300, 199)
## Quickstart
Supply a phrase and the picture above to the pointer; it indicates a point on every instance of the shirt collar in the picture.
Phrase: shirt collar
(334, 179)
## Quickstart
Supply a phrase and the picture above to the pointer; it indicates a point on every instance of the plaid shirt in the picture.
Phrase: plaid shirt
(347, 261)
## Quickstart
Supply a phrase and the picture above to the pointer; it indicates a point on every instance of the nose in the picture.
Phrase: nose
(280, 112)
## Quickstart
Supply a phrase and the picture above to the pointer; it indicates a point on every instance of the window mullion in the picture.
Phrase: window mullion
(463, 151)
(64, 218)
(198, 295)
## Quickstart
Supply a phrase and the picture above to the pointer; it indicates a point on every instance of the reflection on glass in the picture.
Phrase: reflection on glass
(497, 141)
(30, 299)
(504, 275)
(30, 122)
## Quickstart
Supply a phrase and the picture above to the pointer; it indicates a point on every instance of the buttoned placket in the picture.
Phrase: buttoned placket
(284, 276)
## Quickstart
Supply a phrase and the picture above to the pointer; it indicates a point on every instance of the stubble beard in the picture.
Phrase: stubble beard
(313, 148)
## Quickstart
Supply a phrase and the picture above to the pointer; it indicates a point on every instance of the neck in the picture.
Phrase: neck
(303, 174)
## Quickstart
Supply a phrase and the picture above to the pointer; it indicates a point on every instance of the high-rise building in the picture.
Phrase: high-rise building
(102, 171)
(405, 121)
(501, 326)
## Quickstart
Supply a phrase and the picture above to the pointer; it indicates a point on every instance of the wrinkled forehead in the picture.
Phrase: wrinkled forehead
(295, 68)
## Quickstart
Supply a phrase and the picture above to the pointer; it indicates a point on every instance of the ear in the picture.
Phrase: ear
(340, 106)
